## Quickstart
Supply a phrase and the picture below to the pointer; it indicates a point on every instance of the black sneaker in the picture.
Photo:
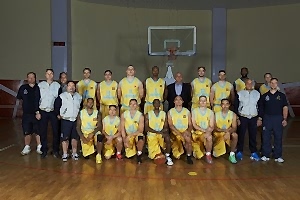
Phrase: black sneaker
(139, 159)
(189, 160)
(56, 155)
(43, 155)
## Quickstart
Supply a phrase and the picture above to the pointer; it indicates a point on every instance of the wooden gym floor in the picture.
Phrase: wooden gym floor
(29, 177)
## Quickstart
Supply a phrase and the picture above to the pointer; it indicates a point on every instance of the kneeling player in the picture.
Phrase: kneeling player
(180, 123)
(203, 123)
(111, 130)
(158, 133)
(132, 126)
(225, 131)
(88, 127)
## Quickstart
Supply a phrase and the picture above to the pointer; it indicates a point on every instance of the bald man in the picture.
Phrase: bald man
(179, 89)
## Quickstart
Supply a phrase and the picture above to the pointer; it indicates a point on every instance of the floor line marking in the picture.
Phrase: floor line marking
(7, 147)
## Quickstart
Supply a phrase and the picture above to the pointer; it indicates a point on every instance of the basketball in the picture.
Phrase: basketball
(160, 159)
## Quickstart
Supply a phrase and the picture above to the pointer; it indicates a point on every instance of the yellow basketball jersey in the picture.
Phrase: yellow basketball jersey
(154, 89)
(180, 119)
(156, 122)
(87, 90)
(201, 88)
(224, 122)
(202, 118)
(88, 122)
(130, 90)
(264, 89)
(108, 93)
(221, 92)
(131, 123)
(239, 85)
(111, 126)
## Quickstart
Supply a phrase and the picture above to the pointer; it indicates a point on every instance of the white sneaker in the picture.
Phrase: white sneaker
(264, 158)
(38, 149)
(26, 150)
(75, 156)
(280, 160)
(169, 161)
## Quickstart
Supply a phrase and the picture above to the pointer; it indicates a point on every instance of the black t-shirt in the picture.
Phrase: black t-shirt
(272, 104)
(31, 97)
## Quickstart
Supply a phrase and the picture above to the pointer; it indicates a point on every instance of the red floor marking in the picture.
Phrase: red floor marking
(155, 178)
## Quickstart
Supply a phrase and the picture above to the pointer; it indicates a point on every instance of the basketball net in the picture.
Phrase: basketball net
(171, 57)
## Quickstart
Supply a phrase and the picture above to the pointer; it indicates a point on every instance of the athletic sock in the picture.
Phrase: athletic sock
(167, 155)
(139, 153)
(232, 153)
(118, 153)
(207, 153)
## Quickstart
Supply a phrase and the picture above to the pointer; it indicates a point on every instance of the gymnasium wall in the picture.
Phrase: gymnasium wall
(25, 38)
(109, 37)
(264, 40)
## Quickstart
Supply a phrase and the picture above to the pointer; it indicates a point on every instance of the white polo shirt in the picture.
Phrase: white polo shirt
(49, 92)
(248, 101)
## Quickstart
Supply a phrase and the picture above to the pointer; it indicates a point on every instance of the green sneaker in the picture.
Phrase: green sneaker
(232, 159)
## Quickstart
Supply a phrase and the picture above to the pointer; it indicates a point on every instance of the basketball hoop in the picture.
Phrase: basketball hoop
(172, 53)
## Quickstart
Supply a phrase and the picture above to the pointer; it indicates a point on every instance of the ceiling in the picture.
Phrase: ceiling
(192, 4)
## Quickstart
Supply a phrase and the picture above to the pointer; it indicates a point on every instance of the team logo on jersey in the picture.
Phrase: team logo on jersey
(267, 98)
(184, 116)
(206, 85)
(95, 119)
(278, 97)
(227, 89)
(113, 88)
(25, 91)
(91, 87)
(135, 122)
(160, 85)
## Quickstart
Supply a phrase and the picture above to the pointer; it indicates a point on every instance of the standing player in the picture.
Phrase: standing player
(158, 136)
(67, 106)
(87, 87)
(221, 90)
(264, 88)
(203, 122)
(30, 95)
(225, 131)
(107, 94)
(155, 88)
(88, 126)
(180, 123)
(112, 132)
(200, 87)
(132, 127)
(240, 83)
(130, 87)
(49, 92)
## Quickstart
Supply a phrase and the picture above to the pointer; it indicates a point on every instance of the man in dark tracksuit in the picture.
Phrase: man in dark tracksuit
(273, 110)
(29, 93)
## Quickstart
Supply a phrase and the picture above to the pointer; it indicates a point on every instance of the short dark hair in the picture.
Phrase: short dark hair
(132, 100)
(274, 79)
(61, 73)
(112, 106)
(155, 100)
(87, 69)
(225, 99)
(49, 69)
(268, 73)
(244, 68)
(70, 82)
(203, 96)
(222, 71)
(202, 68)
(34, 74)
(88, 99)
(107, 71)
(155, 67)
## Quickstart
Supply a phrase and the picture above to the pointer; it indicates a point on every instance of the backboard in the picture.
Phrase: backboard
(162, 38)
